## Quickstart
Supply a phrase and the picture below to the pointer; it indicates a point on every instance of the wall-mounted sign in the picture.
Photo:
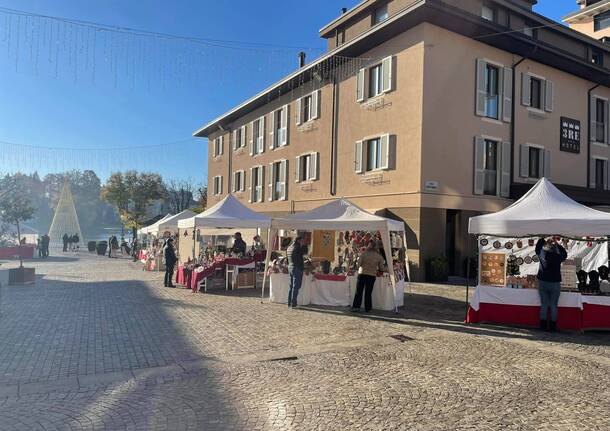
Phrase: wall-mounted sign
(570, 135)
(431, 186)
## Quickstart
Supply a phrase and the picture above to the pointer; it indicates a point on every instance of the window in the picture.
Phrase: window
(218, 146)
(340, 37)
(528, 31)
(488, 13)
(535, 162)
(307, 167)
(217, 185)
(256, 183)
(600, 120)
(258, 136)
(373, 154)
(279, 183)
(308, 107)
(239, 181)
(601, 21)
(490, 168)
(536, 93)
(375, 80)
(279, 127)
(492, 87)
(380, 15)
(600, 174)
(239, 138)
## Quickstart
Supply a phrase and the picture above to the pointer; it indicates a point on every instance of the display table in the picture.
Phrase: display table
(24, 251)
(199, 276)
(183, 276)
(336, 291)
(521, 307)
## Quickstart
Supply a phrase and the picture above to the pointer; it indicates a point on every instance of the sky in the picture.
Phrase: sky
(134, 100)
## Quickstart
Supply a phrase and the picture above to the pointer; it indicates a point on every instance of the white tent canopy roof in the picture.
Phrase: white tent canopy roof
(171, 222)
(153, 227)
(544, 210)
(338, 215)
(228, 213)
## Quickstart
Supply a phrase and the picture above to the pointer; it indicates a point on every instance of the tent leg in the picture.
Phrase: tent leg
(267, 259)
(468, 272)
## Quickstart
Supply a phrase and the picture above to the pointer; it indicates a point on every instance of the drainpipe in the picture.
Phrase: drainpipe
(333, 139)
(589, 134)
(513, 121)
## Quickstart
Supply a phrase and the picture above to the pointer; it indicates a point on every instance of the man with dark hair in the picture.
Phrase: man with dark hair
(169, 257)
(296, 265)
(46, 239)
(65, 241)
(239, 245)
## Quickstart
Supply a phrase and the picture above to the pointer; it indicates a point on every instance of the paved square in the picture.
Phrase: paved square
(99, 344)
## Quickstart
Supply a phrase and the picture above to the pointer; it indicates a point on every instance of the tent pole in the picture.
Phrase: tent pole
(468, 270)
(390, 262)
(267, 259)
(407, 266)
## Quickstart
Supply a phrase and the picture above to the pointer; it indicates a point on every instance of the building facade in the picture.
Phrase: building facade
(429, 111)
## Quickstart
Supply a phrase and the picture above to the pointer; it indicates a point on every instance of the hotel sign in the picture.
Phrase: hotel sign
(570, 135)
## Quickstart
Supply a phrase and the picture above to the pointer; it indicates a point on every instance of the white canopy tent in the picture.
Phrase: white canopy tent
(29, 233)
(543, 211)
(152, 228)
(171, 223)
(340, 215)
(229, 213)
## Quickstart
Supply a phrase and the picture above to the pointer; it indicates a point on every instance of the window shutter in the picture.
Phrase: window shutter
(235, 143)
(261, 134)
(313, 166)
(297, 170)
(507, 107)
(505, 179)
(299, 113)
(607, 119)
(242, 142)
(252, 138)
(234, 182)
(251, 188)
(526, 89)
(479, 165)
(384, 141)
(549, 96)
(220, 188)
(481, 87)
(243, 181)
(360, 80)
(272, 130)
(592, 175)
(284, 180)
(358, 162)
(315, 104)
(284, 125)
(387, 74)
(524, 165)
(547, 164)
(271, 182)
(592, 126)
(222, 145)
(261, 182)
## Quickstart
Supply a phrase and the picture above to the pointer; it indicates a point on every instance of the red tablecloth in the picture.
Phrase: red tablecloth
(523, 315)
(595, 316)
(198, 276)
(330, 277)
(24, 251)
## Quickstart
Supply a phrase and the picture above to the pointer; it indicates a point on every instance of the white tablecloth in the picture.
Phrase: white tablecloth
(336, 293)
(508, 296)
(597, 300)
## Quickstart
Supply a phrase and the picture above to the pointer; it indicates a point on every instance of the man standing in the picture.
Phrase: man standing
(169, 256)
(46, 239)
(65, 240)
(296, 265)
(239, 245)
(369, 263)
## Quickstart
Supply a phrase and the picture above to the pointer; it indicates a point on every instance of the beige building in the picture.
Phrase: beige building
(430, 111)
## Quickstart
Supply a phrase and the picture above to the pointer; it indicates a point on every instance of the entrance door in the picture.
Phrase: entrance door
(450, 234)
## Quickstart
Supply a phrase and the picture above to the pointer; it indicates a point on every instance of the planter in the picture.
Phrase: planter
(101, 248)
(21, 275)
(91, 246)
(437, 270)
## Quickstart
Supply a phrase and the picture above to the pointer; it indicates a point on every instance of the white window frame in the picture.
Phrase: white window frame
(375, 80)
(498, 142)
(239, 186)
(381, 14)
(505, 90)
(274, 180)
(257, 191)
(593, 174)
(217, 185)
(239, 138)
(604, 141)
(386, 79)
(279, 136)
(543, 164)
(304, 170)
(218, 146)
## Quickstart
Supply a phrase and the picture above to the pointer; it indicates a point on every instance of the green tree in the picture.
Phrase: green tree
(132, 193)
(15, 207)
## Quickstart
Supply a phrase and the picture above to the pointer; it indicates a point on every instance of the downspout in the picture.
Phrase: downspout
(589, 134)
(513, 120)
(333, 139)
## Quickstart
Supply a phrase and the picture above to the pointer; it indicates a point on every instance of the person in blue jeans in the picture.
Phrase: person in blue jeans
(551, 256)
(296, 264)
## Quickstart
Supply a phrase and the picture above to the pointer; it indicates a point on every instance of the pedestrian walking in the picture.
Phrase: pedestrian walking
(169, 258)
(369, 263)
(551, 255)
(296, 264)
(65, 241)
(46, 240)
(39, 247)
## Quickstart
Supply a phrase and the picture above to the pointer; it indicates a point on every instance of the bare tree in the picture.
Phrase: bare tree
(180, 194)
(202, 196)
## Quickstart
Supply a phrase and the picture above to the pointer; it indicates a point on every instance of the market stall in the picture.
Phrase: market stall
(227, 214)
(507, 287)
(338, 288)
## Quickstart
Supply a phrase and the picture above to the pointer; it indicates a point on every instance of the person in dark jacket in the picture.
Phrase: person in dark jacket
(169, 256)
(296, 264)
(239, 245)
(65, 241)
(551, 256)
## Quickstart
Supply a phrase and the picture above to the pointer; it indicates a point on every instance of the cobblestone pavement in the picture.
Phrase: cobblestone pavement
(98, 344)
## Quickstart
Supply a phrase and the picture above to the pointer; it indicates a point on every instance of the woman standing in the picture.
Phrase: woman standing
(551, 256)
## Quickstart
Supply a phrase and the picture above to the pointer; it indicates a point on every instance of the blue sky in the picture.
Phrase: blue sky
(150, 100)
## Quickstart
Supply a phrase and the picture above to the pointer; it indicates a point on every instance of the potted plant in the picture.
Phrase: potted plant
(101, 247)
(437, 269)
(91, 246)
